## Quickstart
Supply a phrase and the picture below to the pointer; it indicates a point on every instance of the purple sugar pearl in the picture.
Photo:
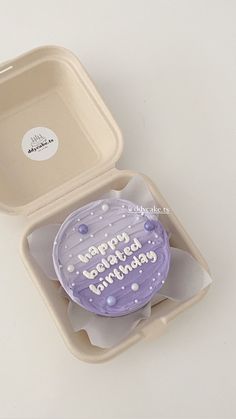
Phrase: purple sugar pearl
(149, 225)
(83, 228)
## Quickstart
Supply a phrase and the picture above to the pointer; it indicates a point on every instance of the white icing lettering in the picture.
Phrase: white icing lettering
(105, 284)
(94, 289)
(100, 267)
(102, 248)
(105, 263)
(152, 256)
(128, 251)
(93, 250)
(136, 245)
(125, 269)
(118, 274)
(112, 259)
(113, 243)
(123, 237)
(120, 255)
(143, 258)
(109, 279)
(85, 258)
(90, 275)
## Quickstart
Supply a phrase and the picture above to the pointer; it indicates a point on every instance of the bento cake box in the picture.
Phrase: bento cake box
(47, 97)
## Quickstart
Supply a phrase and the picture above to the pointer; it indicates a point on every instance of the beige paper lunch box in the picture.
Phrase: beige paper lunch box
(47, 94)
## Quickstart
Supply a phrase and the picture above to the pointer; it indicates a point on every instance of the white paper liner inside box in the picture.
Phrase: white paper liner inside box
(185, 279)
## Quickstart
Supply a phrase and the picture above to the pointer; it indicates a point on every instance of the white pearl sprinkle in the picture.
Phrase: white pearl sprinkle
(105, 234)
(73, 284)
(122, 287)
(80, 240)
(100, 279)
(123, 216)
(91, 213)
(129, 226)
(159, 273)
(140, 271)
(163, 282)
(91, 235)
(150, 287)
(110, 224)
(101, 217)
(90, 300)
(153, 242)
(105, 207)
(149, 242)
(156, 235)
(70, 268)
(122, 206)
(135, 286)
(136, 301)
(78, 219)
(154, 279)
(77, 272)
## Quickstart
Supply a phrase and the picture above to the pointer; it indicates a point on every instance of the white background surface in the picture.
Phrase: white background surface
(167, 70)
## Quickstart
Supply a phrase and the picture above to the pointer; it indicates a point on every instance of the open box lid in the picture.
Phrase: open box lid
(55, 131)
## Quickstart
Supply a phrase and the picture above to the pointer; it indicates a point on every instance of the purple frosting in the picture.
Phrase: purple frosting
(107, 260)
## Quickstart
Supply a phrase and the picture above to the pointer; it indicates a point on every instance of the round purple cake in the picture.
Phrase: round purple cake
(110, 259)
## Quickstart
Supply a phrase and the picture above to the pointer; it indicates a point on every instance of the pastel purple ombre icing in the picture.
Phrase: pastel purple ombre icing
(115, 264)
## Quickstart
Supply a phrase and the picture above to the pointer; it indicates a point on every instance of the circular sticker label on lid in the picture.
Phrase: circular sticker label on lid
(39, 143)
